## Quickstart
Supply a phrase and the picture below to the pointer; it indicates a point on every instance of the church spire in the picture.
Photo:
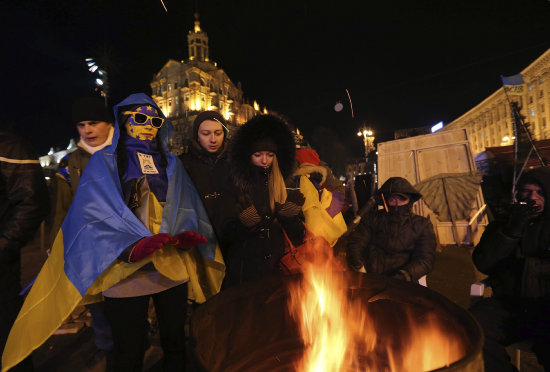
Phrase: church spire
(197, 41)
(197, 23)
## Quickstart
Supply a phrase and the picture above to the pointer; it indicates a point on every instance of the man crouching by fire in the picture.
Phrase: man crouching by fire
(393, 241)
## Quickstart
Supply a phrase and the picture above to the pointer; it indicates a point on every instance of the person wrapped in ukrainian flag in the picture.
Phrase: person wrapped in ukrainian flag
(136, 229)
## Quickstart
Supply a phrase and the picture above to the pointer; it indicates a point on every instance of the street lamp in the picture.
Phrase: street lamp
(368, 140)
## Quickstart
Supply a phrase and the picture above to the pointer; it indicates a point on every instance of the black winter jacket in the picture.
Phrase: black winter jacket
(387, 245)
(260, 247)
(212, 179)
(518, 267)
(24, 201)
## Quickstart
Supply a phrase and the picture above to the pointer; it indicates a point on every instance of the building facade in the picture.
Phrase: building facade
(489, 123)
(183, 89)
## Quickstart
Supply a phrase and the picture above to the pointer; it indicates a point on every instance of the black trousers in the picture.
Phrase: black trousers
(128, 319)
(509, 320)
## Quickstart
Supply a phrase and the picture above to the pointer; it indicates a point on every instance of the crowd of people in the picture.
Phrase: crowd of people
(133, 223)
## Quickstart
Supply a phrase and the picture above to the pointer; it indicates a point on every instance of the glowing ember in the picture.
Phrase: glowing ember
(339, 334)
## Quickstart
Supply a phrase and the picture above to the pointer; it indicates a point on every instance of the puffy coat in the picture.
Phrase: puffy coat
(518, 267)
(394, 243)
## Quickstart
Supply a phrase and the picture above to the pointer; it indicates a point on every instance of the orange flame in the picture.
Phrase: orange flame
(339, 335)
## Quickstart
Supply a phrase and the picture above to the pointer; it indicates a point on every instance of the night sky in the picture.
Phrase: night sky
(405, 63)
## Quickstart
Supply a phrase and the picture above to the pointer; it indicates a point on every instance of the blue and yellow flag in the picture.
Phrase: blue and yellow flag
(317, 219)
(513, 85)
(97, 228)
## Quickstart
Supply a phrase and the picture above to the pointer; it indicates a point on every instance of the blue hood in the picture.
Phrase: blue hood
(141, 99)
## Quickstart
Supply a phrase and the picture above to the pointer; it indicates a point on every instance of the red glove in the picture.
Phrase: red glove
(187, 239)
(146, 246)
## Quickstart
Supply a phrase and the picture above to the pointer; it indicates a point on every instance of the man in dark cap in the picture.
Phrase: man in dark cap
(515, 254)
(94, 124)
(393, 240)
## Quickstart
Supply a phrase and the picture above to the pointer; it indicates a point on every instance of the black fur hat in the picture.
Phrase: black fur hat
(268, 131)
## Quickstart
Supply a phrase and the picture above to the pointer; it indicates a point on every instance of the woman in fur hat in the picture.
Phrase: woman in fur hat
(262, 155)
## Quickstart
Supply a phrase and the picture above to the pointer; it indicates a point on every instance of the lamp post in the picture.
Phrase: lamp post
(368, 140)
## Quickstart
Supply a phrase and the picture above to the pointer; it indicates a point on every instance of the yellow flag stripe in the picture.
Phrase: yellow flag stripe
(51, 300)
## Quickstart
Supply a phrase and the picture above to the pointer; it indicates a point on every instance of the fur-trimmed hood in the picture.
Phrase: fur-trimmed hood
(260, 128)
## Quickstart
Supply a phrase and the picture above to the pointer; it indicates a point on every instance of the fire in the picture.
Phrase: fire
(339, 334)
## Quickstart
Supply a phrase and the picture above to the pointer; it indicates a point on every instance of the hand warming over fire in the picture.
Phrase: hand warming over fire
(293, 204)
(187, 239)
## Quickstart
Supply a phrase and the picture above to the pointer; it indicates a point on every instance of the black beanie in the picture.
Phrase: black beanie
(208, 115)
(264, 144)
(91, 109)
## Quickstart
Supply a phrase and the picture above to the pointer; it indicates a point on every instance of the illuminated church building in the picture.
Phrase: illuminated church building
(183, 89)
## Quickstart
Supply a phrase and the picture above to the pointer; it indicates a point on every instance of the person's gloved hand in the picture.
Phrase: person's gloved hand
(520, 215)
(187, 239)
(148, 245)
(248, 215)
(293, 204)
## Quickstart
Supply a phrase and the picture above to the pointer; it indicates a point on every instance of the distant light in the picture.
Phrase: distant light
(89, 59)
(338, 107)
(505, 139)
(47, 178)
(365, 132)
(437, 127)
(359, 134)
(93, 68)
(100, 72)
(99, 81)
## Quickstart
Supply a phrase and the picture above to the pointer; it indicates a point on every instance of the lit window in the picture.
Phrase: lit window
(532, 112)
(529, 87)
(169, 87)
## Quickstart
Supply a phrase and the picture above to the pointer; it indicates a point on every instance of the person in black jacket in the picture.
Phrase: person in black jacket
(262, 155)
(24, 204)
(394, 241)
(207, 165)
(515, 254)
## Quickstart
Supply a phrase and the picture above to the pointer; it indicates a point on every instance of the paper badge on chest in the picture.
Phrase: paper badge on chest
(147, 164)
